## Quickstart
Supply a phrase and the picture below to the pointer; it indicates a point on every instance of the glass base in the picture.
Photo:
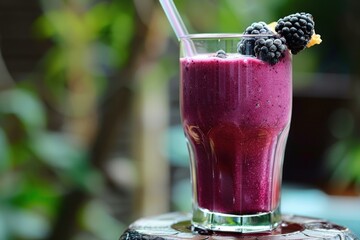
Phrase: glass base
(251, 223)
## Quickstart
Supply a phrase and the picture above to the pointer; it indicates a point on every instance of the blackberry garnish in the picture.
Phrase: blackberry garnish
(270, 49)
(297, 29)
(246, 45)
(257, 28)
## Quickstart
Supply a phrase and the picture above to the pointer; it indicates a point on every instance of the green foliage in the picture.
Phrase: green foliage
(107, 228)
(4, 154)
(344, 163)
(25, 106)
(41, 164)
(21, 115)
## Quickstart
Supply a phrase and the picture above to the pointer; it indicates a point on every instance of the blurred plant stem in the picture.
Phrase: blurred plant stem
(152, 110)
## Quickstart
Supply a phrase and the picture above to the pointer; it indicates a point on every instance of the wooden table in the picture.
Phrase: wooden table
(177, 226)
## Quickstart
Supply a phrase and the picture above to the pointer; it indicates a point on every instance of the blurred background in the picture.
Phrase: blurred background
(90, 136)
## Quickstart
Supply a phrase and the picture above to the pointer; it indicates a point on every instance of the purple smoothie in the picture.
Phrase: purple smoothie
(236, 113)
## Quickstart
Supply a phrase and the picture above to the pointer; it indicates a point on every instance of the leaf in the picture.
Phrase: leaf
(4, 151)
(97, 219)
(122, 30)
(56, 149)
(37, 192)
(67, 158)
(25, 106)
(98, 18)
(354, 162)
(27, 224)
(4, 232)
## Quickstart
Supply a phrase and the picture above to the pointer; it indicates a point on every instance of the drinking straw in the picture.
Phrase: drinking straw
(177, 23)
(174, 18)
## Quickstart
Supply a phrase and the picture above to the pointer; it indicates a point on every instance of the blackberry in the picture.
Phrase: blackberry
(221, 54)
(246, 45)
(258, 28)
(270, 49)
(297, 29)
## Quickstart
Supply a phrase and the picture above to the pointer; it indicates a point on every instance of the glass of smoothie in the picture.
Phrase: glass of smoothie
(235, 109)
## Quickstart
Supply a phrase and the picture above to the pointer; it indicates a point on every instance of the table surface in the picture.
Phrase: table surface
(177, 226)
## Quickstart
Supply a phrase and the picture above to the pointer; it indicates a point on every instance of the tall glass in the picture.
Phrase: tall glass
(236, 112)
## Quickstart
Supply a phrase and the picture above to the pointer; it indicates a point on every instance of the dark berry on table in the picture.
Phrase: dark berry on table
(297, 29)
(221, 54)
(270, 49)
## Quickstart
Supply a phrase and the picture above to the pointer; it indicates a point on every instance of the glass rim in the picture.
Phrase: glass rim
(222, 35)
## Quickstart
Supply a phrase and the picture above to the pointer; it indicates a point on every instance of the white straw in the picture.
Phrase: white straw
(178, 25)
(174, 18)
